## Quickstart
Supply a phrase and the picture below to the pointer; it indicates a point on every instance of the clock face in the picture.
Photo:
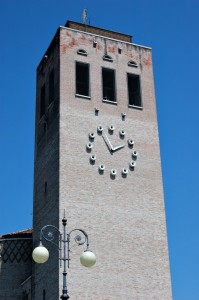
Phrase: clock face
(111, 149)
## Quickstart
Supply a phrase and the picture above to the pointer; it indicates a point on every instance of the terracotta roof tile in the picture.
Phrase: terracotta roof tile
(19, 234)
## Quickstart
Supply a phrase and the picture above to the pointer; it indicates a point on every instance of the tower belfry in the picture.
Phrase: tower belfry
(97, 156)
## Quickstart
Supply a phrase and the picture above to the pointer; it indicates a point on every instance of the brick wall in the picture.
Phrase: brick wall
(124, 217)
(46, 175)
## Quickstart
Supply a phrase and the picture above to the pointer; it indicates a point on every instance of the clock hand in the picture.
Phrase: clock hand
(118, 148)
(110, 147)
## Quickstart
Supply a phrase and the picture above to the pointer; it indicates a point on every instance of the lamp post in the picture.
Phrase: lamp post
(40, 254)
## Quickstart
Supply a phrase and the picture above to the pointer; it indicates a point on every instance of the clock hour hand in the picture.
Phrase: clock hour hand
(110, 147)
(108, 143)
(118, 148)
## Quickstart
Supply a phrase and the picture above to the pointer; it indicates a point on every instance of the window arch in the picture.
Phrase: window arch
(107, 57)
(82, 52)
(132, 63)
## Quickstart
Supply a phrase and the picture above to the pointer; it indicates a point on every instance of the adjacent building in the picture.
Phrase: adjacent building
(16, 265)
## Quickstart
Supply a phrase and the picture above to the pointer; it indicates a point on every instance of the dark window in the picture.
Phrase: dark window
(25, 296)
(134, 90)
(108, 81)
(51, 87)
(45, 187)
(82, 79)
(44, 294)
(42, 101)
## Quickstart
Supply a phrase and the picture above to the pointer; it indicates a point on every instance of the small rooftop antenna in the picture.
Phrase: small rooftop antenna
(84, 16)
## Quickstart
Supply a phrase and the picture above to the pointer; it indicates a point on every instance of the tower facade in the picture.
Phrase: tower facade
(97, 156)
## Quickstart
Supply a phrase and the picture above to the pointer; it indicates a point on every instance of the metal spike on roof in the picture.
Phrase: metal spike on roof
(84, 16)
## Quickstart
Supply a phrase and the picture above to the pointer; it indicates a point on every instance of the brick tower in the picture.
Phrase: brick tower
(97, 156)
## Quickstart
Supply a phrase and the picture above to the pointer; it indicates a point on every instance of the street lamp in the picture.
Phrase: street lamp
(40, 254)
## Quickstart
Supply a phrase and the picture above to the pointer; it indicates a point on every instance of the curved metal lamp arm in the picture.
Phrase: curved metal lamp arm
(78, 238)
(49, 235)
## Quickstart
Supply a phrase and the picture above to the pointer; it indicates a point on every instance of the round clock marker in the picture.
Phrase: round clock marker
(115, 140)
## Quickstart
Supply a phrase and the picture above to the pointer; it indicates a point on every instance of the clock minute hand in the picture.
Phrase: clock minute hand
(110, 147)
(118, 148)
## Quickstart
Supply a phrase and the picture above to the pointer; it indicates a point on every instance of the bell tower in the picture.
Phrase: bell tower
(97, 156)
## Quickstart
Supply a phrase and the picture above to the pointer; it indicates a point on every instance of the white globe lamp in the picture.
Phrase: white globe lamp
(88, 259)
(40, 254)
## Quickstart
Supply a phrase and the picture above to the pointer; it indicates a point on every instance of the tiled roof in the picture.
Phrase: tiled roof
(26, 233)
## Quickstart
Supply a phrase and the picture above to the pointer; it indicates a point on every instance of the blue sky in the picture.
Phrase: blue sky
(171, 28)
